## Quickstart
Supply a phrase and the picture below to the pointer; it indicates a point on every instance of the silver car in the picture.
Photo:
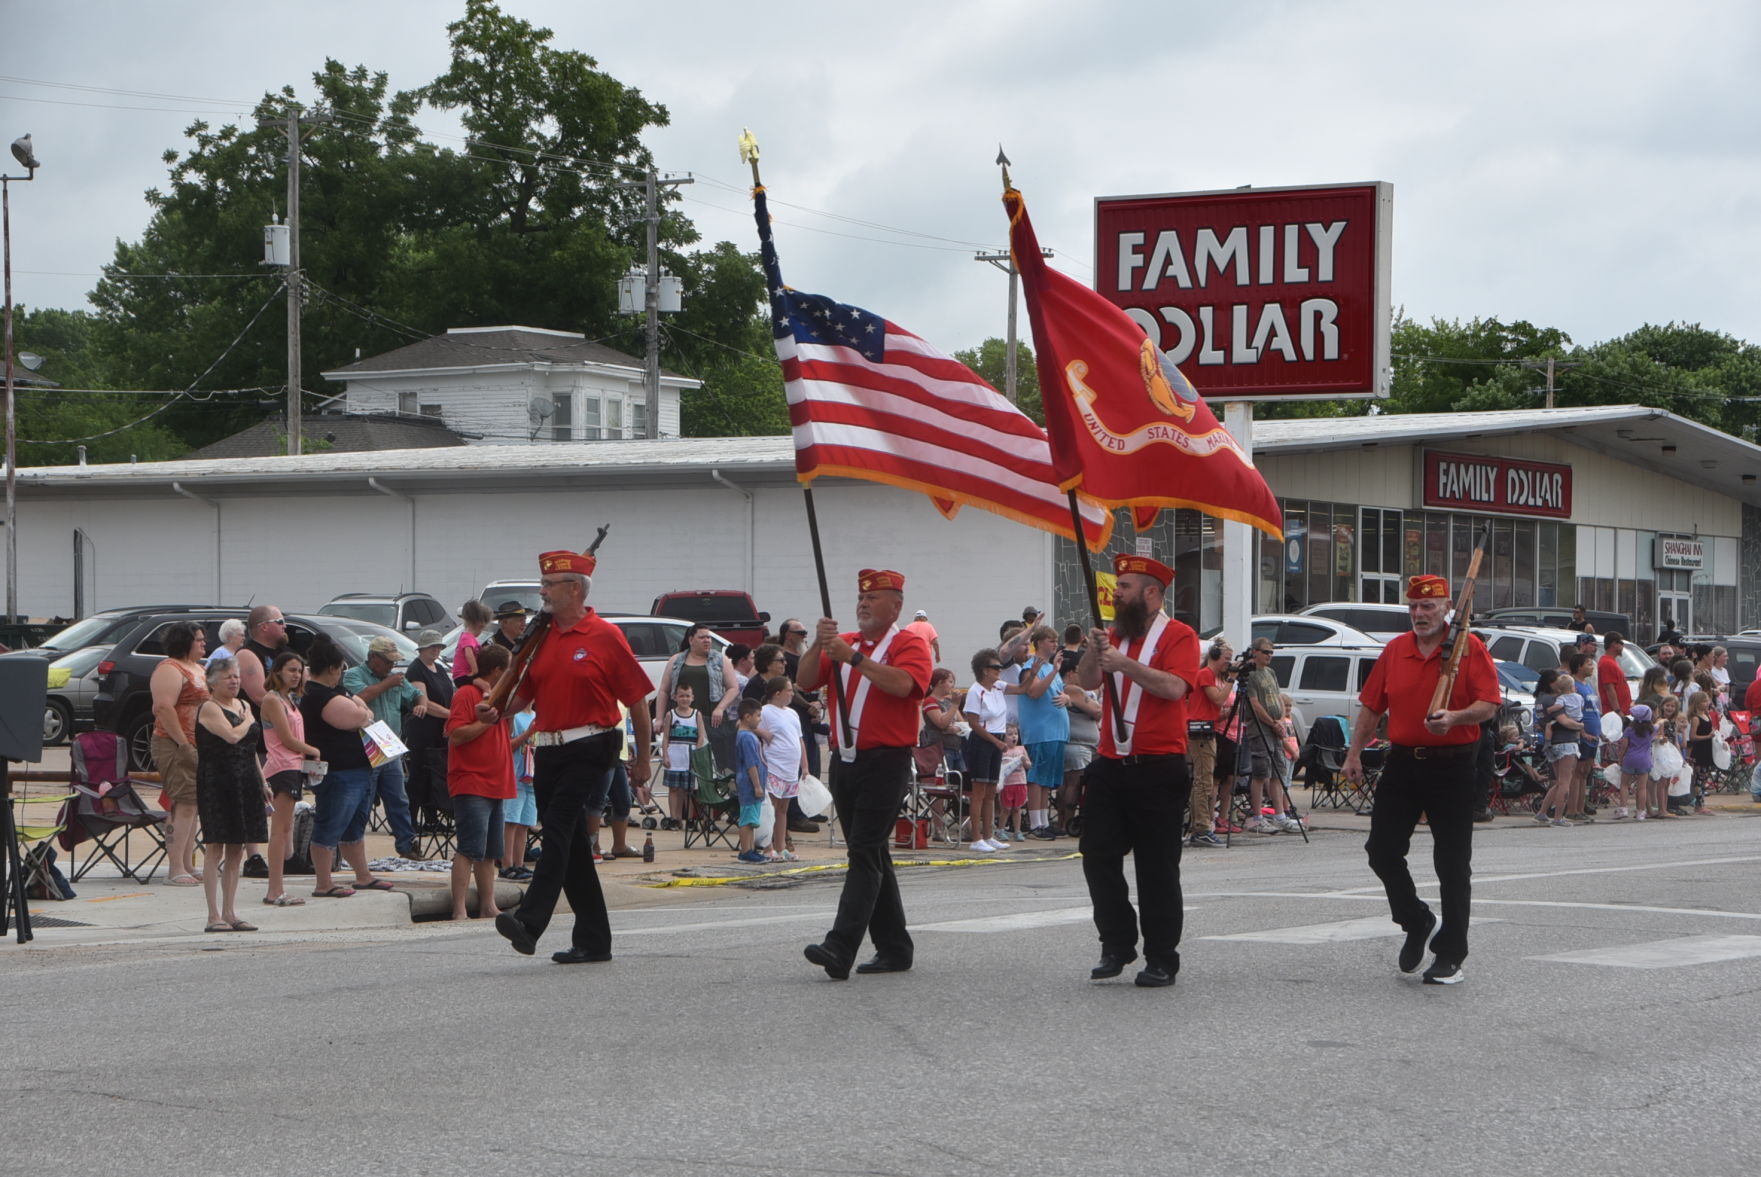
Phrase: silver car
(73, 683)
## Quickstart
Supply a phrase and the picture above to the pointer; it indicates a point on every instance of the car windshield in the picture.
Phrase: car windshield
(378, 612)
(79, 663)
(709, 608)
(81, 633)
(353, 636)
(497, 595)
(1634, 662)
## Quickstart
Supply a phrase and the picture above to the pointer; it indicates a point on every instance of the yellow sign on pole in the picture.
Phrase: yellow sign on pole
(1105, 582)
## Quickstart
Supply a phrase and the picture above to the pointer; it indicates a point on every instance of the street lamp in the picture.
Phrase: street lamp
(25, 155)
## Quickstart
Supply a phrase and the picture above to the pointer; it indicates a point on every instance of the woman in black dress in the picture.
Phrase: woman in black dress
(231, 795)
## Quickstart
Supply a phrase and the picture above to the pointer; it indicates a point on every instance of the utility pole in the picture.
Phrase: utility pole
(295, 279)
(1550, 382)
(651, 185)
(1005, 263)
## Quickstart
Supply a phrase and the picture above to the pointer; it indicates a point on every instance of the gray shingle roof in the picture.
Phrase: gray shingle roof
(500, 346)
(342, 434)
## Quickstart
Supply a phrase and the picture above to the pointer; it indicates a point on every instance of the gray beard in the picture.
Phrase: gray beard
(1131, 619)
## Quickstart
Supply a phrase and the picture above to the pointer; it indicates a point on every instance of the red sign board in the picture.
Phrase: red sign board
(1507, 486)
(1257, 294)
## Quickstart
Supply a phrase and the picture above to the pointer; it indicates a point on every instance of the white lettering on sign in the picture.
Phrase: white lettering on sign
(1318, 330)
(1297, 252)
(1534, 489)
(1474, 482)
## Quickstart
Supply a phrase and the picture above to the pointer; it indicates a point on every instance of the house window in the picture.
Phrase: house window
(590, 417)
(638, 418)
(406, 403)
(614, 416)
(562, 419)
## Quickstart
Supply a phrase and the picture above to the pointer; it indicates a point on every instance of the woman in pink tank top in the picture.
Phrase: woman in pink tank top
(284, 738)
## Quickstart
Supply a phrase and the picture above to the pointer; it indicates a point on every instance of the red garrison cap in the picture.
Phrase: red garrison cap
(1419, 588)
(567, 562)
(871, 579)
(1143, 566)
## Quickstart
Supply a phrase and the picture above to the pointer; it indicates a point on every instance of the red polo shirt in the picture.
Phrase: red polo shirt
(581, 674)
(1402, 681)
(1611, 680)
(887, 720)
(1161, 723)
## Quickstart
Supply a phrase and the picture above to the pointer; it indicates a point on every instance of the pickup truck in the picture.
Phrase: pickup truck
(728, 612)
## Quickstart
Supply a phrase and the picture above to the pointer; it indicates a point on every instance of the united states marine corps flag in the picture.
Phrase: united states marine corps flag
(1127, 429)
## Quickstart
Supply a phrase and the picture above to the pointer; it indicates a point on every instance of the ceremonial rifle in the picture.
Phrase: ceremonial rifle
(1455, 640)
(530, 642)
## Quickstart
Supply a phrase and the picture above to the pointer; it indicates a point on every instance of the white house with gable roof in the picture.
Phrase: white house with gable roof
(507, 385)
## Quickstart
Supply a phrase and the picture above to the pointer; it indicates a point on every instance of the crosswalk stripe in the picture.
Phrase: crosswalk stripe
(1664, 954)
(1373, 928)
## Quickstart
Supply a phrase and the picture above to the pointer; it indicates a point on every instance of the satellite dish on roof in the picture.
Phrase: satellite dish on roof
(538, 410)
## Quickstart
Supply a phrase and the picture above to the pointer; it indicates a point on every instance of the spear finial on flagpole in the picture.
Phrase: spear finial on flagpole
(749, 154)
(1003, 162)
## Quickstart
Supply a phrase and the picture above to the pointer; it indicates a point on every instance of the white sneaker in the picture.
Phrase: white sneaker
(1288, 824)
(984, 847)
(998, 844)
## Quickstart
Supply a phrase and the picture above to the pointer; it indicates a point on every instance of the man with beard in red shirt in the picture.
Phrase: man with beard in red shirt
(1137, 787)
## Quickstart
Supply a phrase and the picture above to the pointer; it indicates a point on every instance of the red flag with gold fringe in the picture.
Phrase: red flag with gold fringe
(1127, 429)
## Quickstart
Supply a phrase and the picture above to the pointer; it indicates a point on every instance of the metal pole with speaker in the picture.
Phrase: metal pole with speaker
(24, 689)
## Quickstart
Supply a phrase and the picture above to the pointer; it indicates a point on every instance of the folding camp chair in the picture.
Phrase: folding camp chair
(938, 800)
(21, 859)
(1323, 762)
(107, 810)
(714, 813)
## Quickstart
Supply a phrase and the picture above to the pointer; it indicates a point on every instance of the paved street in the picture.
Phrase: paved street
(1606, 1027)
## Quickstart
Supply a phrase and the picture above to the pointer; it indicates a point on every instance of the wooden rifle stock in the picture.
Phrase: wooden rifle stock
(530, 642)
(1455, 642)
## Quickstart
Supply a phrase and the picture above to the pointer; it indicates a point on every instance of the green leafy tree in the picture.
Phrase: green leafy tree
(76, 407)
(990, 359)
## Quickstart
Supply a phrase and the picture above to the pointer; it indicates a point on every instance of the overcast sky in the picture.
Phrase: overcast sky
(1590, 166)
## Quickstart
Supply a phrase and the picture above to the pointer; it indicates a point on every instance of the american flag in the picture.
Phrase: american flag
(870, 400)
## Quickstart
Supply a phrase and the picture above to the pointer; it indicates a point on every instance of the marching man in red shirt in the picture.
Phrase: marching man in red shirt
(1430, 771)
(885, 672)
(1135, 790)
(576, 680)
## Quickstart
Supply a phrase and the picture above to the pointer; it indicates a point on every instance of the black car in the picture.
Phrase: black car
(104, 628)
(1555, 617)
(124, 702)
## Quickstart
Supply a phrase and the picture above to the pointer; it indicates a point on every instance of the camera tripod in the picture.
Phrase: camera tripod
(1268, 739)
(14, 904)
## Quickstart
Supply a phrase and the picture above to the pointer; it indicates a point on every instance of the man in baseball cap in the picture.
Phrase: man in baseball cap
(381, 684)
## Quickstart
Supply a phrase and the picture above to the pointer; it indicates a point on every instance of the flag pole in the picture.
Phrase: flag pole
(749, 154)
(825, 604)
(1094, 606)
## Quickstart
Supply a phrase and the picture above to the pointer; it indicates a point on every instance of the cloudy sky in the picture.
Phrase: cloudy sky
(1590, 166)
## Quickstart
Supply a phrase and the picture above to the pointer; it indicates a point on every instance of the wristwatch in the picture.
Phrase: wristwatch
(857, 658)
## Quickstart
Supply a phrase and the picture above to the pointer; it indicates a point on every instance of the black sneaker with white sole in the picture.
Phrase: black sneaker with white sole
(1412, 952)
(1444, 972)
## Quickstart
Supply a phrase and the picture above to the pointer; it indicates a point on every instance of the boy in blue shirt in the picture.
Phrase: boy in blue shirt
(749, 778)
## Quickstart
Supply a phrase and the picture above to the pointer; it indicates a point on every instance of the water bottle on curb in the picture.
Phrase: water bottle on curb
(648, 848)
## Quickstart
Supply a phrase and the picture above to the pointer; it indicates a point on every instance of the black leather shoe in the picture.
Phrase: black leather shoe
(1412, 953)
(1154, 976)
(882, 964)
(579, 956)
(1112, 964)
(518, 934)
(828, 960)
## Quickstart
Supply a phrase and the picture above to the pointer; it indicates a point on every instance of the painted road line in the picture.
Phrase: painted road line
(1374, 928)
(1665, 954)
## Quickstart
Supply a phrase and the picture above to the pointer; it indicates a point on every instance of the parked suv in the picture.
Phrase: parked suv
(497, 593)
(404, 612)
(124, 704)
(1382, 622)
(1539, 649)
(1556, 617)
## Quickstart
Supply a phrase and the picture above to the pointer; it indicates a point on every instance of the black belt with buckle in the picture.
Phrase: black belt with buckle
(1437, 751)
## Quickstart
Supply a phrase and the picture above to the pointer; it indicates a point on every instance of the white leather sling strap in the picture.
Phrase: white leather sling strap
(858, 698)
(1130, 693)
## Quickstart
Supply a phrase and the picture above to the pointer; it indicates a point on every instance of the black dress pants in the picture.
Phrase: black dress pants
(1444, 790)
(868, 793)
(1133, 806)
(570, 781)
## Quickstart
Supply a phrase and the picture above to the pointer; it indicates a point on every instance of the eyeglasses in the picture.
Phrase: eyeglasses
(276, 621)
(990, 666)
(553, 583)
